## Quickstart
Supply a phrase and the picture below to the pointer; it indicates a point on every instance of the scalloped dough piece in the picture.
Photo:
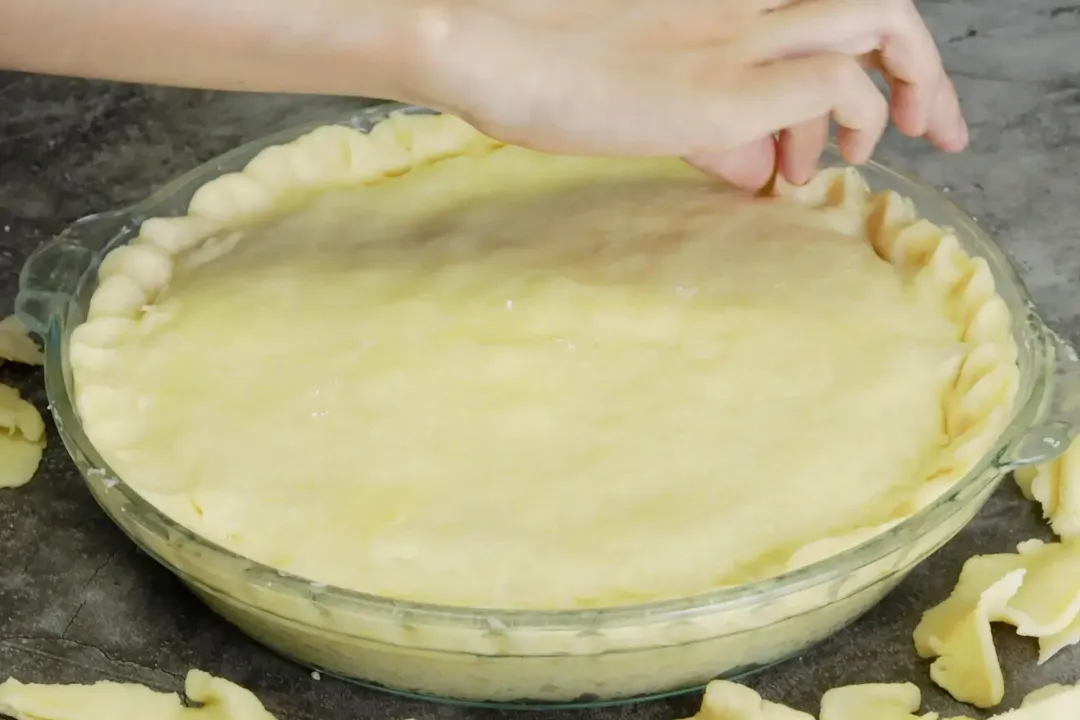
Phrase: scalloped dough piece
(726, 700)
(1056, 487)
(22, 439)
(217, 699)
(386, 336)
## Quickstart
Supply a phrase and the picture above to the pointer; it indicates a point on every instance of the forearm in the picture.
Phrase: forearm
(338, 47)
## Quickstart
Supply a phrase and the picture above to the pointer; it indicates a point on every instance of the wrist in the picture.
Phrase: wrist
(430, 43)
(459, 56)
(365, 48)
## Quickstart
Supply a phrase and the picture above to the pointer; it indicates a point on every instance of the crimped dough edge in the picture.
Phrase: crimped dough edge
(977, 407)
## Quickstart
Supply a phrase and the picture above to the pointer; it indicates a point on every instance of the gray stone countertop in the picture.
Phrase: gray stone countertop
(79, 603)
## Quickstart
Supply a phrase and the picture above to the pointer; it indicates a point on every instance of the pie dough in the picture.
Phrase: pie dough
(1035, 590)
(22, 431)
(213, 697)
(426, 365)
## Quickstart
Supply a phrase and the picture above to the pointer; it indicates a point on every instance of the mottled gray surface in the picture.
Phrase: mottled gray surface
(78, 602)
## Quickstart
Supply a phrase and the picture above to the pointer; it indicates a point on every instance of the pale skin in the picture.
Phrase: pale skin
(741, 88)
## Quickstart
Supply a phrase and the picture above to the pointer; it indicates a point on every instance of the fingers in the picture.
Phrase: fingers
(795, 155)
(749, 167)
(800, 147)
(947, 129)
(909, 55)
(792, 92)
(892, 28)
(798, 95)
(944, 127)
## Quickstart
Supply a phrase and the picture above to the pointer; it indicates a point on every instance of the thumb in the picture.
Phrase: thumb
(749, 167)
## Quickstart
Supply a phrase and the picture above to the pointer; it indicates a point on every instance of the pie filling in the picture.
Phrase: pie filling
(422, 364)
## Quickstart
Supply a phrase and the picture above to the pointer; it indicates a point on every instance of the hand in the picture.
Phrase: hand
(741, 88)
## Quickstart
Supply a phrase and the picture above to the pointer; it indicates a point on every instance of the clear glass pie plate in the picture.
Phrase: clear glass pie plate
(538, 658)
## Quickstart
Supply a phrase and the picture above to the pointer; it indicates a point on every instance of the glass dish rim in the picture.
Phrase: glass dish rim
(987, 470)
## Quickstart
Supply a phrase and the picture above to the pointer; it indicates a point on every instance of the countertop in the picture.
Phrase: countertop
(78, 602)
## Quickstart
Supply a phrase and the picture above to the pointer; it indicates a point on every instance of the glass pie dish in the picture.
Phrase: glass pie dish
(547, 658)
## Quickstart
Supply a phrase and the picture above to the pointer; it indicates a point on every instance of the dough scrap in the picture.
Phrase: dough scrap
(978, 575)
(16, 344)
(1056, 487)
(22, 439)
(1045, 604)
(1053, 702)
(967, 666)
(726, 700)
(216, 699)
(1051, 645)
(875, 701)
(1048, 602)
(22, 431)
(1044, 693)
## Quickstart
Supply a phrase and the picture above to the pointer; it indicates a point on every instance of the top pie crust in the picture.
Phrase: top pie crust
(843, 393)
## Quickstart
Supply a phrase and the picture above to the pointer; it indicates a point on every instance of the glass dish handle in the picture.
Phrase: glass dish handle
(52, 273)
(1059, 418)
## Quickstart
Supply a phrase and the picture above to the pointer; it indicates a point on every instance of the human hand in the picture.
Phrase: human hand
(741, 88)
